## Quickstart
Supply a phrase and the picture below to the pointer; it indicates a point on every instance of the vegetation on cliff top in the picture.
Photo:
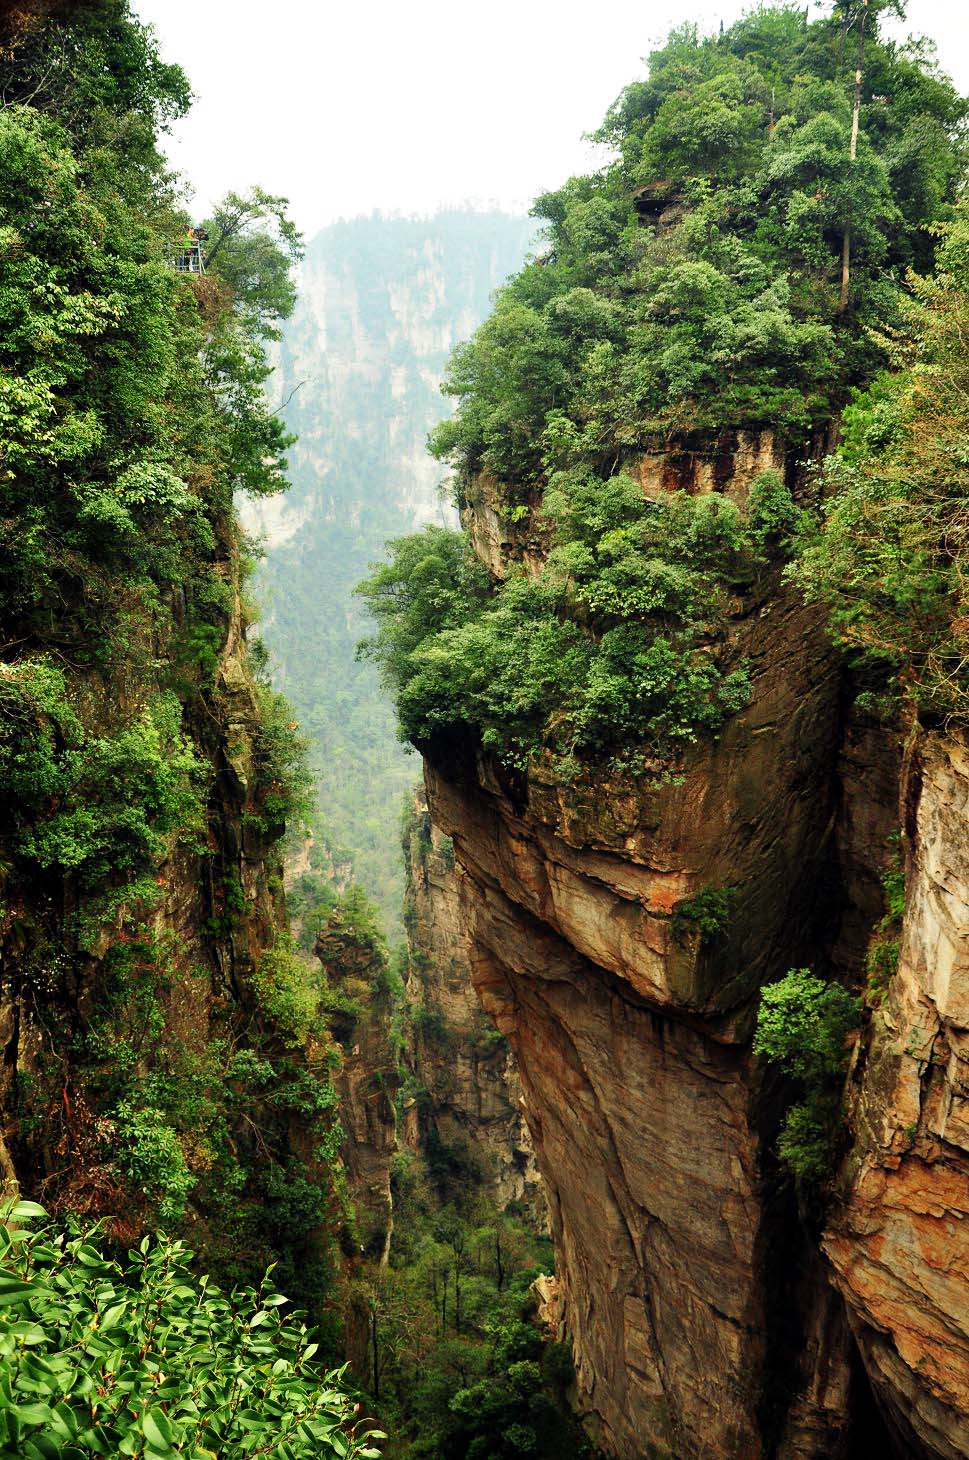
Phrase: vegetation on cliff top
(893, 553)
(693, 286)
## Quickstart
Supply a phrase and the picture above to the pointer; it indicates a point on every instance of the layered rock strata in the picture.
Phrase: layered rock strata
(701, 1311)
(632, 1036)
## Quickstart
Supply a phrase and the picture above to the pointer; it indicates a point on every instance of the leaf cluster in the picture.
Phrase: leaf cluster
(692, 281)
(615, 643)
(803, 1026)
(141, 1358)
(892, 556)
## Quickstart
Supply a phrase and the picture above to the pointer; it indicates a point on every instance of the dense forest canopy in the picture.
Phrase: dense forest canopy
(734, 266)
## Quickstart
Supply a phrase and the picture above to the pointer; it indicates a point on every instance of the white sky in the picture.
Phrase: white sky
(347, 106)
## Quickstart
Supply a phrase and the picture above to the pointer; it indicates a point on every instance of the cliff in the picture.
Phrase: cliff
(467, 1105)
(702, 1316)
(896, 1238)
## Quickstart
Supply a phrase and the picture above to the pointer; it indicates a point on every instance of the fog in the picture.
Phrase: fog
(406, 107)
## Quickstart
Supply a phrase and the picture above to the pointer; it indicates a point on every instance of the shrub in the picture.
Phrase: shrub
(284, 780)
(803, 1027)
(152, 1156)
(286, 989)
(892, 556)
(607, 649)
(140, 1358)
(706, 913)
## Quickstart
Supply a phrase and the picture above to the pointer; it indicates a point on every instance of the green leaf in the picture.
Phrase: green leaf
(33, 1414)
(42, 1447)
(23, 1209)
(12, 1290)
(158, 1430)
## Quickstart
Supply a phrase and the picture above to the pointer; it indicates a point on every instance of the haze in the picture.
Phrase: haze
(407, 107)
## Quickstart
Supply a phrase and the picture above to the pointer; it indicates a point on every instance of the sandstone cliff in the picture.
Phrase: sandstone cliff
(897, 1238)
(468, 1099)
(701, 1313)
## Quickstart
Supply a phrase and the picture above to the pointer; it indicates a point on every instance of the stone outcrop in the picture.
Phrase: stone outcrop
(898, 1238)
(366, 1080)
(469, 1100)
(702, 1314)
(631, 1035)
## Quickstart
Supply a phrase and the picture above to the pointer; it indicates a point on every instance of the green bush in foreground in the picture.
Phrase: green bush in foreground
(100, 1358)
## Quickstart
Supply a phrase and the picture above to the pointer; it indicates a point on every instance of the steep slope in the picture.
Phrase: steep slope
(160, 1068)
(382, 303)
(466, 1106)
(631, 1031)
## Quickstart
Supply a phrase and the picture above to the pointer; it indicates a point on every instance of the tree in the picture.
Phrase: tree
(803, 1026)
(253, 245)
(891, 558)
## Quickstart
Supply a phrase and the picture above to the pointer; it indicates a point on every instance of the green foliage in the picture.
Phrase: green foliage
(142, 773)
(140, 1358)
(884, 949)
(455, 1357)
(287, 990)
(803, 1026)
(608, 647)
(152, 1156)
(285, 785)
(892, 554)
(688, 288)
(723, 310)
(252, 247)
(706, 914)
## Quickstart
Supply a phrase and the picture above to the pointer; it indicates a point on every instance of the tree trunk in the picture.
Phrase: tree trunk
(852, 154)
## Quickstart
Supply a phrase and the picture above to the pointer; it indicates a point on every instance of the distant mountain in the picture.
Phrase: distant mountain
(382, 303)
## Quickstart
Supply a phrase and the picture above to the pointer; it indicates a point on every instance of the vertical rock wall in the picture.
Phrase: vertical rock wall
(632, 1036)
(702, 1312)
(898, 1237)
(468, 1095)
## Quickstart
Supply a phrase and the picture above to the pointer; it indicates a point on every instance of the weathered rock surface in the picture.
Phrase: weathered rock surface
(470, 1094)
(632, 1037)
(366, 1080)
(899, 1240)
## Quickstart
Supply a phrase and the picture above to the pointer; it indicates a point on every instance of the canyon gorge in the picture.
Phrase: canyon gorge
(507, 898)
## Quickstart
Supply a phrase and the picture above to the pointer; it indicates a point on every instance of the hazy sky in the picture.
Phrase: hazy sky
(347, 106)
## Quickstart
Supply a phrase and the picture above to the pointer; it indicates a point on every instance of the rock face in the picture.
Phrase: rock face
(703, 1315)
(366, 1081)
(632, 1037)
(469, 1102)
(898, 1240)
(217, 906)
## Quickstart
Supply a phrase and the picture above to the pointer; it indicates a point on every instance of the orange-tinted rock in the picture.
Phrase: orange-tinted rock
(899, 1239)
(632, 1038)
